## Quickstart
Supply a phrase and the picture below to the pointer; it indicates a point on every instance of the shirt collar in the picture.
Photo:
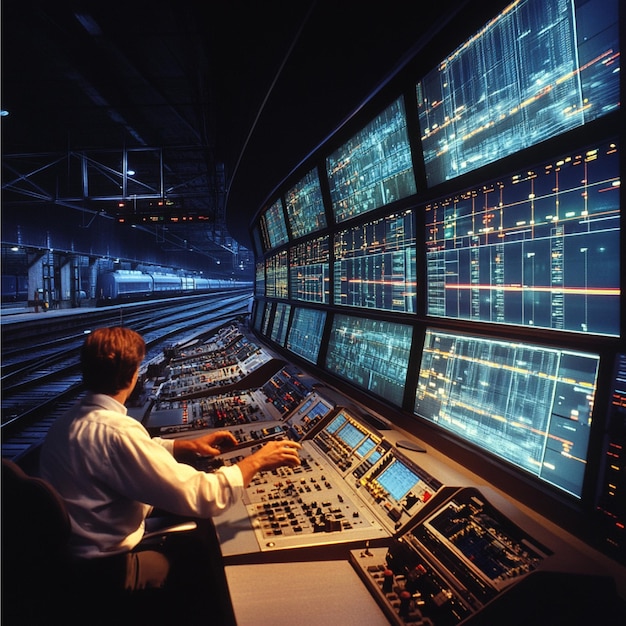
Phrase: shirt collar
(105, 402)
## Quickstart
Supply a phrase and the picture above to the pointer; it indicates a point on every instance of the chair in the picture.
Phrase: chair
(35, 559)
(41, 583)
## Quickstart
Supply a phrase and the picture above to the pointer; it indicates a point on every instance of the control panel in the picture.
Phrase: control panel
(393, 487)
(306, 505)
(450, 565)
(468, 559)
(352, 485)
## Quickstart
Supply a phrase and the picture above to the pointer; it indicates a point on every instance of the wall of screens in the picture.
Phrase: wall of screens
(276, 275)
(374, 167)
(526, 403)
(273, 226)
(279, 324)
(526, 249)
(267, 318)
(372, 354)
(375, 264)
(304, 337)
(497, 94)
(309, 270)
(259, 279)
(305, 205)
(257, 322)
(482, 195)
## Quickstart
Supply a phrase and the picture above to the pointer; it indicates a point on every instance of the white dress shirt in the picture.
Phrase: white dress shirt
(111, 474)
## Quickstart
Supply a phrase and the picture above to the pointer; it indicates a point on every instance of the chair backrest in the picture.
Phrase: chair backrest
(35, 534)
(34, 518)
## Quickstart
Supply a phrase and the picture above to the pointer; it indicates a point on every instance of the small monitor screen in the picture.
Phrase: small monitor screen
(281, 319)
(538, 248)
(535, 71)
(376, 456)
(373, 168)
(309, 270)
(306, 406)
(365, 448)
(397, 479)
(307, 416)
(273, 226)
(276, 272)
(375, 265)
(319, 410)
(336, 423)
(305, 207)
(371, 354)
(305, 333)
(350, 435)
(528, 404)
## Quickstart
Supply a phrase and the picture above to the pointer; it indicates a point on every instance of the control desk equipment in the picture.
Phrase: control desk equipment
(468, 562)
(430, 554)
(352, 486)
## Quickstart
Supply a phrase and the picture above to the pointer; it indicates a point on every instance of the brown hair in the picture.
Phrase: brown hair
(110, 357)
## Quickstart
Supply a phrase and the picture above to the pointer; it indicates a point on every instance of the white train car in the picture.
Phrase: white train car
(123, 285)
(132, 285)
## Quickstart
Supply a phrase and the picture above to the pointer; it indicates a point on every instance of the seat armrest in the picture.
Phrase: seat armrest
(168, 529)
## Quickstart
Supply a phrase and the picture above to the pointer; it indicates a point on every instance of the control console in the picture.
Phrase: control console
(392, 486)
(467, 562)
(352, 485)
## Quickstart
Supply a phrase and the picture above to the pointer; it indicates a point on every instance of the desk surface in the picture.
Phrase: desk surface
(317, 593)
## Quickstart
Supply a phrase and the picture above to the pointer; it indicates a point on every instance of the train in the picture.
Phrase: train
(131, 285)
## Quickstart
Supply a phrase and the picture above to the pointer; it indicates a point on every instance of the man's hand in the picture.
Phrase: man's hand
(206, 445)
(270, 456)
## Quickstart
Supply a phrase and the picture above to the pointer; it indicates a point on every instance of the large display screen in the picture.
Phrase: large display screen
(267, 316)
(527, 249)
(259, 282)
(309, 268)
(273, 226)
(258, 315)
(374, 265)
(281, 320)
(528, 404)
(305, 207)
(536, 70)
(371, 354)
(256, 240)
(611, 503)
(373, 168)
(276, 272)
(305, 333)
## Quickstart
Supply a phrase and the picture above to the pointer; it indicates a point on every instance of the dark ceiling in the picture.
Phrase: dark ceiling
(210, 103)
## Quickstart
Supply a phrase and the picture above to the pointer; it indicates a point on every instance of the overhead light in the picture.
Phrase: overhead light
(3, 112)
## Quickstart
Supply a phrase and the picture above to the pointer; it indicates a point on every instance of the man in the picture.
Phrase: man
(112, 474)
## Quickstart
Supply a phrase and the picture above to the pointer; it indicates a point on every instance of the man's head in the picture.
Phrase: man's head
(110, 358)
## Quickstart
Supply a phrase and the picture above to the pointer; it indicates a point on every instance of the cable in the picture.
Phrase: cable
(266, 98)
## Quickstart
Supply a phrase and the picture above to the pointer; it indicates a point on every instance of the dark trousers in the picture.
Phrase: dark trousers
(195, 590)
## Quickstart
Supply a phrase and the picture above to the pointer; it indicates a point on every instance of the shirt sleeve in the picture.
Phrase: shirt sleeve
(168, 444)
(144, 470)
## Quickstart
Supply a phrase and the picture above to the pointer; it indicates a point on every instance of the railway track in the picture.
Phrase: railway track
(40, 383)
